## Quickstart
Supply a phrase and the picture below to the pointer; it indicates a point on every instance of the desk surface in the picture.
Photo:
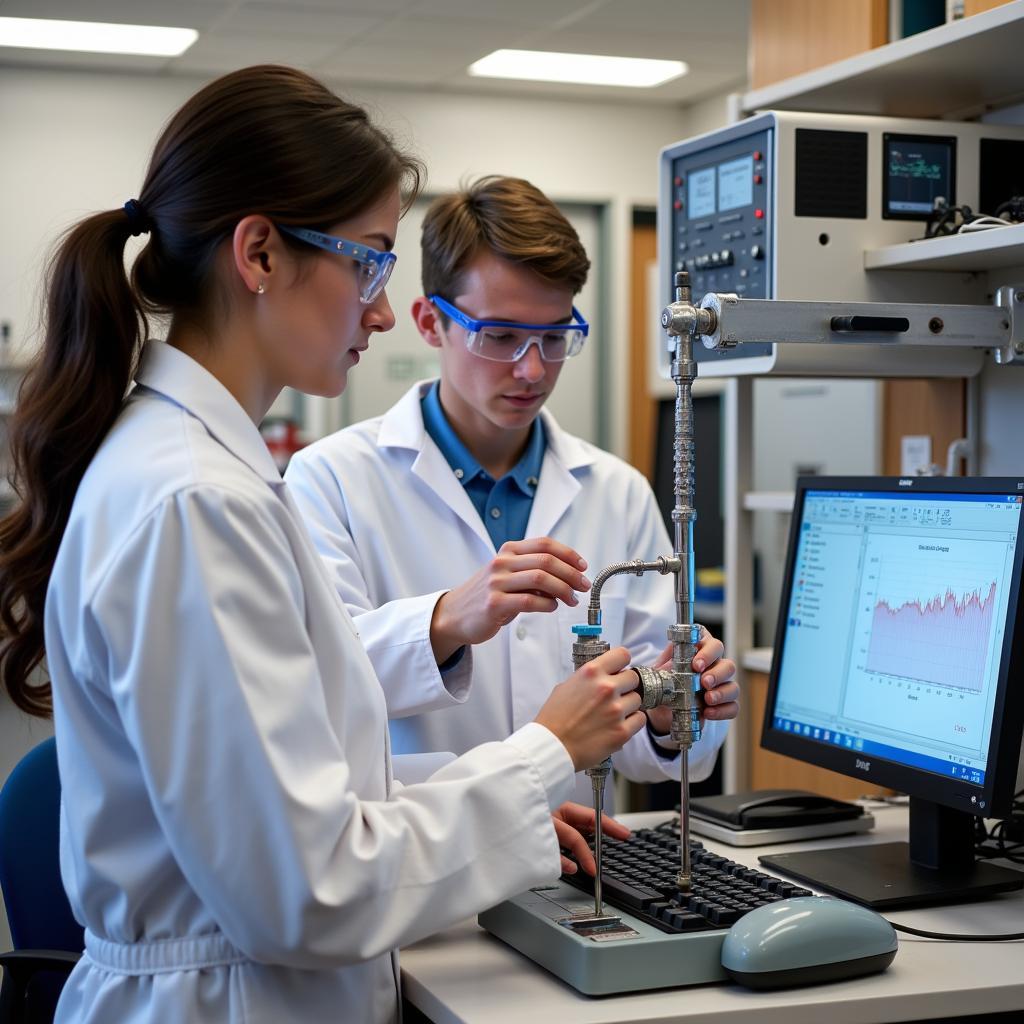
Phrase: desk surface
(465, 976)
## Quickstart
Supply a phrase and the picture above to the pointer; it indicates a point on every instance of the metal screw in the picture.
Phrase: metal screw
(1019, 296)
(1019, 348)
(935, 325)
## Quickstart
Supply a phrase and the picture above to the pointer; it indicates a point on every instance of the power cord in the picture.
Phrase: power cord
(1004, 839)
(953, 937)
(952, 220)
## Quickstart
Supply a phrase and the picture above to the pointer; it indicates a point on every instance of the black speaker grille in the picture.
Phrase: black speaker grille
(831, 174)
(1000, 173)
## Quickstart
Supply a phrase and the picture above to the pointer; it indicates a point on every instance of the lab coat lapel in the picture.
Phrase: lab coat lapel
(558, 485)
(178, 377)
(402, 427)
(432, 468)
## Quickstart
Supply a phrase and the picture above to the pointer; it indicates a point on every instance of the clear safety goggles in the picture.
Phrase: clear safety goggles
(506, 342)
(374, 266)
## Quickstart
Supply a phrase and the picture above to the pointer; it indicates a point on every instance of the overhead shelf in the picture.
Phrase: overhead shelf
(771, 501)
(757, 659)
(968, 65)
(971, 251)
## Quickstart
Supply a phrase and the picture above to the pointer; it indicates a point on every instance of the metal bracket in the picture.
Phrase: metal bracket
(1011, 298)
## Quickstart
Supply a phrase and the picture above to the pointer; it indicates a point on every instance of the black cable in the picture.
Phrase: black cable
(953, 937)
(1012, 209)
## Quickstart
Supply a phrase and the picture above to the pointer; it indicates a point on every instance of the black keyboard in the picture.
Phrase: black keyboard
(639, 876)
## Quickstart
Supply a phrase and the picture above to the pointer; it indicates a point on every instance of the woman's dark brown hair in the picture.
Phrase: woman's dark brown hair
(267, 140)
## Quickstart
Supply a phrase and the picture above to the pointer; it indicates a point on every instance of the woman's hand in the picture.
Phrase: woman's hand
(596, 710)
(573, 823)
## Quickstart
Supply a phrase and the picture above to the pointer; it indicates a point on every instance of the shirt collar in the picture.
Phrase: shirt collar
(526, 471)
(178, 377)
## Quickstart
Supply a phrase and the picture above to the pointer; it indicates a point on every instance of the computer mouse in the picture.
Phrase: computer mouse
(805, 941)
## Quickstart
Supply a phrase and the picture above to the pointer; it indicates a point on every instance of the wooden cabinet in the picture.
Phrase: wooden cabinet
(788, 37)
(773, 771)
(977, 6)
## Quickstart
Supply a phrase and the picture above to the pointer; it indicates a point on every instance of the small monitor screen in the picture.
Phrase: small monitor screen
(736, 183)
(918, 170)
(700, 197)
(895, 626)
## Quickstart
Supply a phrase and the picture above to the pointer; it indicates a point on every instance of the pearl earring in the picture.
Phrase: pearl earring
(260, 289)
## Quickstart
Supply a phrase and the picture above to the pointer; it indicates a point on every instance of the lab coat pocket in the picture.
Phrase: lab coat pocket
(613, 622)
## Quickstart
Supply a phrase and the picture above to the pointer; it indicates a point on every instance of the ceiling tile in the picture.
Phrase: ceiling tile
(423, 42)
(371, 8)
(723, 54)
(279, 19)
(218, 52)
(448, 33)
(372, 63)
(672, 18)
(529, 14)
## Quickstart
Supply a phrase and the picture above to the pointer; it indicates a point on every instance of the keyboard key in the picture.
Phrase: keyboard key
(683, 920)
(723, 916)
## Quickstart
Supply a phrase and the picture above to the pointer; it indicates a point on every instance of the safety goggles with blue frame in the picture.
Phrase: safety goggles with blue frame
(375, 266)
(507, 342)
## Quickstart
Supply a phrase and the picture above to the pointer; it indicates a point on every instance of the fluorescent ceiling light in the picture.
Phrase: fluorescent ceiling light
(95, 37)
(582, 68)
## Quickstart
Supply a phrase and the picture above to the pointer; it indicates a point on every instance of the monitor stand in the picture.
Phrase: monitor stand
(936, 866)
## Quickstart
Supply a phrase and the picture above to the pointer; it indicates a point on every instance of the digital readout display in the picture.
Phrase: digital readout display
(736, 183)
(701, 193)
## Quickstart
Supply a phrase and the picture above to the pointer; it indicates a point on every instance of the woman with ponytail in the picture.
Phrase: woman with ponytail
(232, 838)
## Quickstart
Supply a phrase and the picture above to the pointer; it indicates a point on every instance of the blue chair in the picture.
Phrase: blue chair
(48, 941)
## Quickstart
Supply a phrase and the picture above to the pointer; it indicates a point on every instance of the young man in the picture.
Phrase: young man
(458, 526)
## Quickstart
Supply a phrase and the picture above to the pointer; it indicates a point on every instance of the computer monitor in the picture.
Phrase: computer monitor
(898, 660)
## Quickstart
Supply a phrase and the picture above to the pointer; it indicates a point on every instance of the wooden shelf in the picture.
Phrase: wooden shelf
(771, 501)
(973, 251)
(968, 65)
(757, 659)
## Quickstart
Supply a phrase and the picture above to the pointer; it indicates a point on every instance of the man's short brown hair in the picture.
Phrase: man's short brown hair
(509, 217)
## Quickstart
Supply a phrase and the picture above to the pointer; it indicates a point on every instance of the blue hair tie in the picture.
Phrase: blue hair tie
(138, 220)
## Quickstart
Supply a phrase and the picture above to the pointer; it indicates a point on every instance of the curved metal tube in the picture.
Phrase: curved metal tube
(660, 565)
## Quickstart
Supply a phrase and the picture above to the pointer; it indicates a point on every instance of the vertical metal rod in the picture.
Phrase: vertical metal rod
(684, 817)
(686, 726)
(598, 784)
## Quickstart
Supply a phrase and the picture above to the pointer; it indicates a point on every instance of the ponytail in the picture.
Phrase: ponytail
(68, 401)
(265, 139)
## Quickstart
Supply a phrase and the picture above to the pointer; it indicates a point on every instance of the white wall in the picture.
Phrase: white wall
(75, 142)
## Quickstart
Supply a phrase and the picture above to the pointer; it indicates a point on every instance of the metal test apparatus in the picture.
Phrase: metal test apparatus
(757, 217)
(678, 686)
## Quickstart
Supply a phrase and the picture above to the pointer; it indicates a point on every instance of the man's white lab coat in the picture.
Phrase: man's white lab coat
(232, 839)
(397, 529)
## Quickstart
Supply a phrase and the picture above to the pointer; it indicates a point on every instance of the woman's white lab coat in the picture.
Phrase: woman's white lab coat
(396, 529)
(231, 835)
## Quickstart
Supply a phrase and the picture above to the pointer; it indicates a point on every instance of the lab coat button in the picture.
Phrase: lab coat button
(521, 631)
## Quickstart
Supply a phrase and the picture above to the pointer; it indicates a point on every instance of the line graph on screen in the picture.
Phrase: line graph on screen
(940, 637)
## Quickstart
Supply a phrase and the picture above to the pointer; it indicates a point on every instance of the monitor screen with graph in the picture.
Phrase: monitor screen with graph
(900, 637)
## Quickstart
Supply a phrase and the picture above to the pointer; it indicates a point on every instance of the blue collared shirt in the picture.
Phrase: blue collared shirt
(504, 505)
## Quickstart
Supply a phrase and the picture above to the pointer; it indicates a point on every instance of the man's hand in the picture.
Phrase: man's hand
(721, 693)
(524, 576)
(573, 822)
